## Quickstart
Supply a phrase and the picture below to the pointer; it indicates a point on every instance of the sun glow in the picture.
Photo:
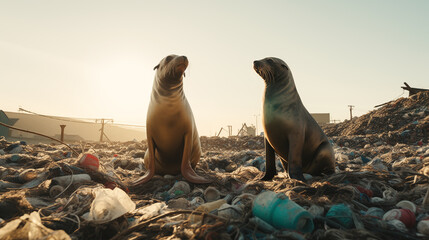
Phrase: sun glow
(122, 86)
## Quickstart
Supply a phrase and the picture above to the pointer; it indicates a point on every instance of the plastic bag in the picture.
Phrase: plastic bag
(109, 205)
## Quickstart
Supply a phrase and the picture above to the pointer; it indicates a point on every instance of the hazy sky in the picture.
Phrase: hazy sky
(95, 58)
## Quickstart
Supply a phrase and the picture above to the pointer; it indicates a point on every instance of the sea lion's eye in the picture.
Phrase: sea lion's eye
(270, 61)
(285, 66)
(168, 58)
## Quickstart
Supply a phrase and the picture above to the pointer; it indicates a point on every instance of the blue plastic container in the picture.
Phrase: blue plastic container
(281, 212)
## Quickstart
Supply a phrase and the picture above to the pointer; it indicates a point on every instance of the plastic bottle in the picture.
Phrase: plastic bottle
(281, 212)
(64, 181)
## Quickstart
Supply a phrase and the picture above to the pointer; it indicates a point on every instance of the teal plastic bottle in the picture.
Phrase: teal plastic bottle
(281, 212)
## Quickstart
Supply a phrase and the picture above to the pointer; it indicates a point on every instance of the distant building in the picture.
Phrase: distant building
(75, 130)
(5, 131)
(321, 118)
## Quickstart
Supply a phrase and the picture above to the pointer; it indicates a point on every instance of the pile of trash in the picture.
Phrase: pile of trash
(379, 190)
(231, 143)
(405, 120)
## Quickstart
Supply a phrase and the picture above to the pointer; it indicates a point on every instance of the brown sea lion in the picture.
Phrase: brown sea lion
(290, 131)
(173, 143)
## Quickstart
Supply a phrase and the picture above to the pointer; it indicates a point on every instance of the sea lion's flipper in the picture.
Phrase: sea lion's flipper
(323, 161)
(149, 163)
(294, 158)
(186, 168)
(270, 162)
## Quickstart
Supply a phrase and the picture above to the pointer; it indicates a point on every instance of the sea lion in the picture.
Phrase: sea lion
(173, 143)
(290, 131)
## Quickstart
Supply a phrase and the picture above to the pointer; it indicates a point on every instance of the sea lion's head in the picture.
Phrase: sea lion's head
(272, 69)
(172, 68)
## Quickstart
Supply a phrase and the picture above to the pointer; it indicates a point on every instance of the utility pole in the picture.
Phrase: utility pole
(103, 121)
(62, 132)
(102, 130)
(256, 123)
(351, 111)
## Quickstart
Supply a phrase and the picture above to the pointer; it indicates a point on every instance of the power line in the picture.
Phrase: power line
(128, 125)
(56, 118)
(77, 121)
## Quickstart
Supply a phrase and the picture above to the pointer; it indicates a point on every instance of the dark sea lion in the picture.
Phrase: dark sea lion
(290, 131)
(173, 143)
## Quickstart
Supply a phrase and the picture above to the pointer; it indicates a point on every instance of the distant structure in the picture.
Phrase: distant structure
(75, 130)
(244, 131)
(4, 131)
(247, 131)
(321, 118)
(412, 91)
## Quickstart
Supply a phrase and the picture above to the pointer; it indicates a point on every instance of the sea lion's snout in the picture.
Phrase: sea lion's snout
(256, 64)
(185, 60)
(182, 64)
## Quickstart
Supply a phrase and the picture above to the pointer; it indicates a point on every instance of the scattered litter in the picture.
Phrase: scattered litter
(379, 190)
(228, 211)
(211, 194)
(66, 180)
(180, 188)
(281, 212)
(89, 161)
(151, 210)
(29, 226)
(206, 208)
(109, 205)
(316, 211)
(342, 215)
(179, 203)
(423, 227)
(407, 205)
(406, 216)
